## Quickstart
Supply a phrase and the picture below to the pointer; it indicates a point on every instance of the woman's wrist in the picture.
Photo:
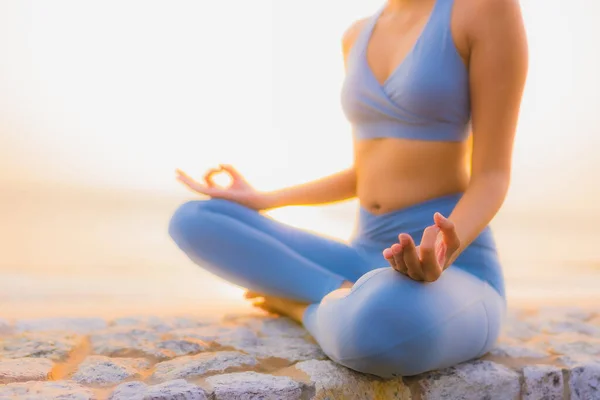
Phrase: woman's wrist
(271, 200)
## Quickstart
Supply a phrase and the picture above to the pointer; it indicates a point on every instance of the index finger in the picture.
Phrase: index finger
(193, 184)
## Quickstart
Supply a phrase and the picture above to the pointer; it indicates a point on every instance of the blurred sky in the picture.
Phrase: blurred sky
(101, 100)
(119, 93)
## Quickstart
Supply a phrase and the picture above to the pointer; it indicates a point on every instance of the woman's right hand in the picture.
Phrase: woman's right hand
(238, 191)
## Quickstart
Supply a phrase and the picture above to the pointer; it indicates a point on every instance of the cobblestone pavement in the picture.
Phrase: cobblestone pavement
(551, 353)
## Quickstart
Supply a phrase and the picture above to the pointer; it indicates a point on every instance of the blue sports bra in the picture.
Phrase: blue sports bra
(425, 98)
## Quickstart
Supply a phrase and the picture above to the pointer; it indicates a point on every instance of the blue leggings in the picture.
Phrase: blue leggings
(386, 324)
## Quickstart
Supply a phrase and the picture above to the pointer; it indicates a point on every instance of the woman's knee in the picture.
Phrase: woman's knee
(196, 215)
(190, 217)
(182, 218)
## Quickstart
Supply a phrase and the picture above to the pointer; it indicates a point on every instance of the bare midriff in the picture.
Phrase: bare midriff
(396, 173)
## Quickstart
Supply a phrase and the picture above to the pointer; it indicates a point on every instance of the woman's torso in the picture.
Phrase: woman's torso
(393, 174)
(406, 94)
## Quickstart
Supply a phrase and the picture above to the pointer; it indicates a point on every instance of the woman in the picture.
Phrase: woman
(420, 286)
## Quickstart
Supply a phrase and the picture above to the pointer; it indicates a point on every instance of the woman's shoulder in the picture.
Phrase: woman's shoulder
(351, 33)
(476, 15)
(474, 20)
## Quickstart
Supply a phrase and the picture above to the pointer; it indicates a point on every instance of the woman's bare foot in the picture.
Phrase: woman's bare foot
(251, 295)
(278, 305)
(282, 306)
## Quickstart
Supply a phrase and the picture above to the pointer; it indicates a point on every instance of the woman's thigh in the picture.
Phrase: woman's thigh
(390, 325)
(334, 255)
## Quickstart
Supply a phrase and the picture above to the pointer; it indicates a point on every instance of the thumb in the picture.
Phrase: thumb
(448, 230)
(443, 223)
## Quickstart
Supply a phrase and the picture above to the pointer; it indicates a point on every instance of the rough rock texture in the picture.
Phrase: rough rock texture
(288, 348)
(53, 345)
(105, 371)
(219, 335)
(131, 341)
(202, 364)
(550, 353)
(543, 382)
(75, 325)
(59, 390)
(332, 381)
(517, 351)
(476, 380)
(178, 389)
(584, 381)
(252, 385)
(24, 369)
(266, 326)
(278, 338)
(161, 324)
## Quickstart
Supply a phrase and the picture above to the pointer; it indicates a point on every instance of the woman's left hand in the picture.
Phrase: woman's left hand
(427, 261)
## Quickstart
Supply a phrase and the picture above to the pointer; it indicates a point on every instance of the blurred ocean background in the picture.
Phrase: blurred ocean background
(101, 101)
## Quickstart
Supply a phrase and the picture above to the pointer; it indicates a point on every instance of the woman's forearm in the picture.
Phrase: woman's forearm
(477, 207)
(337, 187)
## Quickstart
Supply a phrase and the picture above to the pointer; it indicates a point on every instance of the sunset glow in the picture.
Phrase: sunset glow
(113, 96)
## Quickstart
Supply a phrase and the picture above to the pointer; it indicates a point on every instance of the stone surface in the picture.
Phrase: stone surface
(53, 345)
(160, 325)
(182, 347)
(520, 330)
(474, 381)
(291, 349)
(252, 385)
(575, 347)
(202, 364)
(542, 354)
(59, 390)
(74, 325)
(584, 381)
(554, 327)
(516, 351)
(332, 381)
(269, 326)
(575, 360)
(542, 382)
(225, 336)
(558, 313)
(25, 369)
(262, 341)
(178, 389)
(105, 371)
(127, 341)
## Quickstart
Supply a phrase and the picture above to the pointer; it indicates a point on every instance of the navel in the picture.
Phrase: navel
(375, 208)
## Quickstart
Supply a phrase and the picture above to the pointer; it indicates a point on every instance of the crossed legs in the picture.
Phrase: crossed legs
(386, 324)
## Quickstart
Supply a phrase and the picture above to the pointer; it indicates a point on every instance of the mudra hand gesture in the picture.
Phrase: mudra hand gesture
(427, 261)
(238, 191)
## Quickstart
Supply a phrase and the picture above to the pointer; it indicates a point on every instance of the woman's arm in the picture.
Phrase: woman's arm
(336, 187)
(332, 188)
(497, 72)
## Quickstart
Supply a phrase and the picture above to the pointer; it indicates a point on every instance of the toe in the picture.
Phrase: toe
(251, 295)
